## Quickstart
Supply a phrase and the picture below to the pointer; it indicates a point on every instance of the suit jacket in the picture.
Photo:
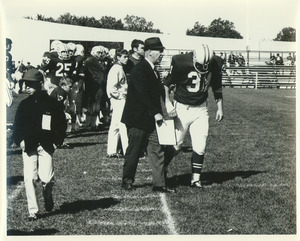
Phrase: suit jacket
(143, 98)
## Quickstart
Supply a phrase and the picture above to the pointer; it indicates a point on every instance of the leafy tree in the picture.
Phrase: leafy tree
(222, 29)
(132, 23)
(217, 28)
(286, 34)
(198, 30)
(111, 23)
(139, 24)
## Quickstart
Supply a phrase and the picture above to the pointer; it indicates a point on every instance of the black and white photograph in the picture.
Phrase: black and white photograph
(149, 119)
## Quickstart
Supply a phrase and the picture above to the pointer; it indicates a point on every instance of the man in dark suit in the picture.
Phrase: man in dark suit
(142, 110)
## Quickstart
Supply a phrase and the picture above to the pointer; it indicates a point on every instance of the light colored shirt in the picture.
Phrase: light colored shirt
(116, 83)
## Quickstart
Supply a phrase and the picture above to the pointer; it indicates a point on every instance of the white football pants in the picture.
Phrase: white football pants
(117, 128)
(196, 120)
(36, 165)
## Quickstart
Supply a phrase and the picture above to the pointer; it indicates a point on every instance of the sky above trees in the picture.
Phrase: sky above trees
(254, 19)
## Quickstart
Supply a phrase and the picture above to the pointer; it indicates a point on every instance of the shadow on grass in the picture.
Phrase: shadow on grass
(15, 232)
(87, 133)
(82, 205)
(14, 180)
(210, 178)
(186, 149)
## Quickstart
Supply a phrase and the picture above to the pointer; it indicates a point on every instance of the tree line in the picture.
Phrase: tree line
(218, 28)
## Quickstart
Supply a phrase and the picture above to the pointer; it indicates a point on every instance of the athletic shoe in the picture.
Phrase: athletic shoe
(32, 217)
(196, 184)
(115, 155)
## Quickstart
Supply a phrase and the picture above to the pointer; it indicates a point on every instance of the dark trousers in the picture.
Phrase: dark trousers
(137, 139)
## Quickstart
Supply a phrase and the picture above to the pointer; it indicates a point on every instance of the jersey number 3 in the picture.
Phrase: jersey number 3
(195, 81)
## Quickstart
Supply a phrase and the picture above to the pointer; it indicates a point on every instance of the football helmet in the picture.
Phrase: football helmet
(54, 45)
(62, 51)
(71, 48)
(202, 56)
(79, 50)
(97, 51)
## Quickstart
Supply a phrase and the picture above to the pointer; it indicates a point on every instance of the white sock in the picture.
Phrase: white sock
(195, 177)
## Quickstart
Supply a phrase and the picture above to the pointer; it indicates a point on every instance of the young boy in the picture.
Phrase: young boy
(62, 94)
(117, 91)
(39, 127)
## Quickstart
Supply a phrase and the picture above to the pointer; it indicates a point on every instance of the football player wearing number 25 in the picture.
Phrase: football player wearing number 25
(192, 73)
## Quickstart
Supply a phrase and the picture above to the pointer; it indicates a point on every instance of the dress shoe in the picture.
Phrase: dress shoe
(127, 186)
(163, 190)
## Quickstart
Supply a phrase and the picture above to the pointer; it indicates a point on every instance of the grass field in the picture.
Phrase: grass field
(249, 180)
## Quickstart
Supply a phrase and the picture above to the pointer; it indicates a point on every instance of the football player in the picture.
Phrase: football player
(76, 94)
(95, 84)
(192, 73)
(55, 68)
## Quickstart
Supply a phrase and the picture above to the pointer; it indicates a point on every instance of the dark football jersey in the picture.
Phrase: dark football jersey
(57, 69)
(191, 86)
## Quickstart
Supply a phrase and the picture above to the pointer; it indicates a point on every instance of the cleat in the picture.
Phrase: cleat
(32, 217)
(114, 156)
(196, 184)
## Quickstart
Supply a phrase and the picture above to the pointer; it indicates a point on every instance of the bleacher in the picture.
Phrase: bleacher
(257, 76)
(269, 76)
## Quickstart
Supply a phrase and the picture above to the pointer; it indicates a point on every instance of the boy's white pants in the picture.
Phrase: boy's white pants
(37, 165)
(117, 128)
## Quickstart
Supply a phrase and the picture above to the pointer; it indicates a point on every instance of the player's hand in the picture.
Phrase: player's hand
(159, 119)
(219, 115)
(171, 110)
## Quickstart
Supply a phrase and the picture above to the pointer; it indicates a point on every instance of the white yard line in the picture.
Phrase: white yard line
(106, 223)
(169, 220)
(128, 196)
(126, 209)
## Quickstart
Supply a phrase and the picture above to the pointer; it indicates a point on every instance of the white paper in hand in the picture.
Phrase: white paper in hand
(166, 133)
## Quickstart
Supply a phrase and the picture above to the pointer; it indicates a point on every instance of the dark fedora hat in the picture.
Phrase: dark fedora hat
(153, 43)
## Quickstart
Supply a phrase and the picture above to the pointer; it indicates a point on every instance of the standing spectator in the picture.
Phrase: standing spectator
(138, 52)
(39, 128)
(95, 87)
(78, 77)
(60, 93)
(117, 91)
(9, 62)
(142, 110)
(192, 73)
(29, 66)
(21, 69)
(9, 70)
